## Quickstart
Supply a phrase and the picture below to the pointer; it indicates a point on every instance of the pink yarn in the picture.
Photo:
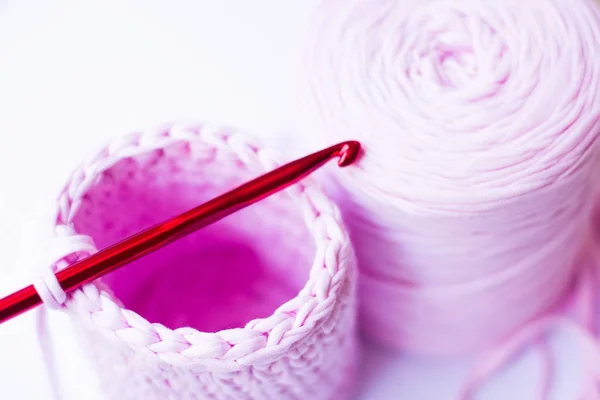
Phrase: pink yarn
(260, 305)
(479, 119)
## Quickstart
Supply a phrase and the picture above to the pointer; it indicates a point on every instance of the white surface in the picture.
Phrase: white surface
(72, 76)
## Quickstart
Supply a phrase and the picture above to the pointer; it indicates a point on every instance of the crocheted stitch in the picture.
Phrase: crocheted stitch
(174, 324)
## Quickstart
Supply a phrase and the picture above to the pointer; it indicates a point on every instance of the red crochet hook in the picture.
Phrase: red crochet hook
(160, 235)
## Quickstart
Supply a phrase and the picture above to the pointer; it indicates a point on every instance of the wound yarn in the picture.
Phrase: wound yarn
(479, 119)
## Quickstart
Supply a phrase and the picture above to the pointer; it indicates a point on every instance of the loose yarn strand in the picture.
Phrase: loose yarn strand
(582, 324)
(47, 351)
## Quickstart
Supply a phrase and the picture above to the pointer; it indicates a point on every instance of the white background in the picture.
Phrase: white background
(73, 75)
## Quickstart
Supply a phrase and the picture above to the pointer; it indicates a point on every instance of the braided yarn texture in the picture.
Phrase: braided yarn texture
(470, 212)
(305, 348)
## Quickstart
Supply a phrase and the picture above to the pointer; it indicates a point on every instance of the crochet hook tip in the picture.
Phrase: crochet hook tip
(348, 152)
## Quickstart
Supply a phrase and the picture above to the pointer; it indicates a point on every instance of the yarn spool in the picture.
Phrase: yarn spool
(479, 119)
(260, 305)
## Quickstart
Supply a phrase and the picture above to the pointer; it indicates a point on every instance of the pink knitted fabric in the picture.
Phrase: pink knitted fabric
(260, 305)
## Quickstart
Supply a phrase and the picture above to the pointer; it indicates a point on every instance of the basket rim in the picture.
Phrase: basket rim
(260, 339)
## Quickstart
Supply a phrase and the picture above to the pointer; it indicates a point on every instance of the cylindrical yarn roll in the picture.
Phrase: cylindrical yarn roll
(260, 305)
(479, 121)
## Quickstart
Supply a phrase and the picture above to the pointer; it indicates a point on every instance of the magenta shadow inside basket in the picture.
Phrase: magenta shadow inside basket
(223, 276)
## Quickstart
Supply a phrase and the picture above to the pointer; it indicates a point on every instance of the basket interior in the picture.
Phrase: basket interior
(238, 269)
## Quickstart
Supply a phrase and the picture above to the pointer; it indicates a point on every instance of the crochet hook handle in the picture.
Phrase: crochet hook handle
(153, 238)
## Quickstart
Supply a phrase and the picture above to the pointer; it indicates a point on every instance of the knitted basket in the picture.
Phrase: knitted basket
(260, 305)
